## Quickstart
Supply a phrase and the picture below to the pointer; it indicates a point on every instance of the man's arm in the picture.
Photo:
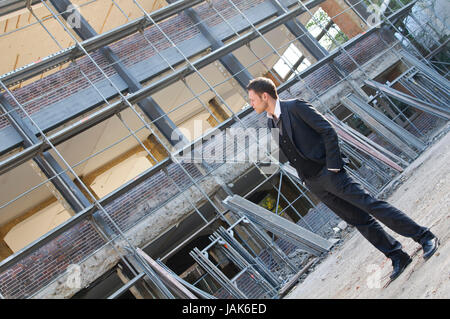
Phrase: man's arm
(321, 125)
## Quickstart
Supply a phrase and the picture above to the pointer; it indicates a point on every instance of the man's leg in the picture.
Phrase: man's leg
(355, 216)
(346, 188)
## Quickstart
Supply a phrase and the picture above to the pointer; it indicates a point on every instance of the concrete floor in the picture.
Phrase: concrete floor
(356, 269)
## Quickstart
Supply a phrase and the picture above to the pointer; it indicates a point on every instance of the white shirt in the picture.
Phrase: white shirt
(277, 113)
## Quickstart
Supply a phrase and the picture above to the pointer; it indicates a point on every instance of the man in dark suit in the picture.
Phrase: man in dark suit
(310, 143)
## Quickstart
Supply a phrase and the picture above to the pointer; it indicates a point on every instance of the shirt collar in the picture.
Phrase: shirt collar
(277, 111)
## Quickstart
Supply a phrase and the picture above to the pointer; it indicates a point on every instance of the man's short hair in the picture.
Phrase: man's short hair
(261, 85)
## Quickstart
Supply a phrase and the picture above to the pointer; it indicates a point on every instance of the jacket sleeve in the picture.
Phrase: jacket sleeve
(321, 125)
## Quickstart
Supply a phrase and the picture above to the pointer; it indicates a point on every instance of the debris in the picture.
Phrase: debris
(342, 225)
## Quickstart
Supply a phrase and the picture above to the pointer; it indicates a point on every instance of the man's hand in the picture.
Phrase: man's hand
(335, 170)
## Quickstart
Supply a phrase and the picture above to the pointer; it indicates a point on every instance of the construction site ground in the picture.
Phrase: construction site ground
(356, 269)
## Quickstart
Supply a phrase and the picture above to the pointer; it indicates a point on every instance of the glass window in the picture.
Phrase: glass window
(291, 55)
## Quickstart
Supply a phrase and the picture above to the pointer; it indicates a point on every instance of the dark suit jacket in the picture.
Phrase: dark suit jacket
(312, 134)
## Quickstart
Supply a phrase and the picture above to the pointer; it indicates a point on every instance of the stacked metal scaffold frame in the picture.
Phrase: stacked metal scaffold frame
(38, 145)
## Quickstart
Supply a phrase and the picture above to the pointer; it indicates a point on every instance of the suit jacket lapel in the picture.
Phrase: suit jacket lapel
(286, 123)
(285, 119)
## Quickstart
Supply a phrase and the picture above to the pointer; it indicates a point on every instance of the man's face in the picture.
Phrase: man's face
(258, 102)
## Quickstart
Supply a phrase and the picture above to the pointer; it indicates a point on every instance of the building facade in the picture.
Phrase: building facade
(112, 113)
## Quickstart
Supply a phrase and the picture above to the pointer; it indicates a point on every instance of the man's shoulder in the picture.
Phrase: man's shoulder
(294, 103)
(288, 101)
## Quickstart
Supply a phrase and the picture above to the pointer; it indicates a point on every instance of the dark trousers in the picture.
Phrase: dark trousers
(348, 199)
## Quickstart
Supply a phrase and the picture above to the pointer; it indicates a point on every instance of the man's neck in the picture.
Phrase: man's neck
(271, 107)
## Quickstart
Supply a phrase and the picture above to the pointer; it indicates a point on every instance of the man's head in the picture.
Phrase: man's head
(261, 91)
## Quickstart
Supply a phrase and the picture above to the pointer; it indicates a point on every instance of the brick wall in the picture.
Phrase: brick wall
(42, 266)
(325, 77)
(132, 49)
(36, 271)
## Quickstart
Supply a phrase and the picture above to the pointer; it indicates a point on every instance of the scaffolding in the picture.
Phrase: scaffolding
(115, 83)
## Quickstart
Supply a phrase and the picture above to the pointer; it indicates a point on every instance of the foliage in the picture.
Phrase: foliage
(320, 20)
(269, 202)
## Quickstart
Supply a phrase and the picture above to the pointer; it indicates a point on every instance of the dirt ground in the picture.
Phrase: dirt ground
(356, 269)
